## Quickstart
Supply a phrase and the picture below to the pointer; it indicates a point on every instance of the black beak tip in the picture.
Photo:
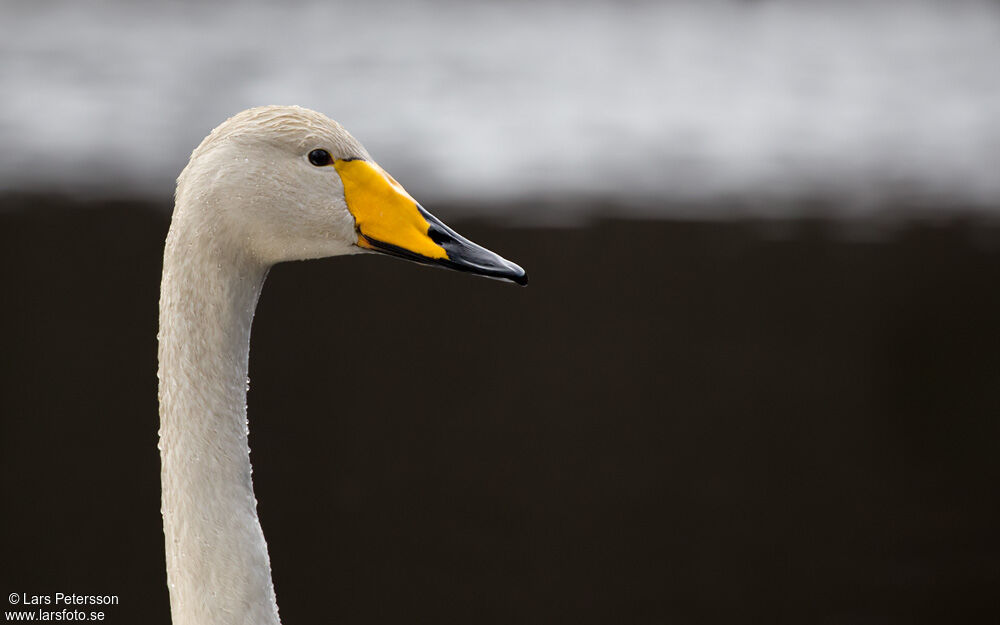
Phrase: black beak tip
(519, 278)
(506, 270)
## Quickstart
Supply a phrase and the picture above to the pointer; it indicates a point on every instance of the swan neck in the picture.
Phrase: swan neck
(218, 569)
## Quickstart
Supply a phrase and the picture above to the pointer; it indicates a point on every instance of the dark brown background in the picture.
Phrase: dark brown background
(681, 422)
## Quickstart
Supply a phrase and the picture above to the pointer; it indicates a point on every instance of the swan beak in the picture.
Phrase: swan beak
(390, 221)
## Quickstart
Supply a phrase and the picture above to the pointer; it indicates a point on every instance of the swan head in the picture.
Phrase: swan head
(287, 183)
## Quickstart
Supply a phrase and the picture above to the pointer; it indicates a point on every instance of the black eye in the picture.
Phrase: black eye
(320, 158)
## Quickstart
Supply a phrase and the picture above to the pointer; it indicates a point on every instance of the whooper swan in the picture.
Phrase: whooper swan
(270, 184)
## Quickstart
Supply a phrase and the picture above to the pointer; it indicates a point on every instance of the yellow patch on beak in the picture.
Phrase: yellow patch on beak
(383, 210)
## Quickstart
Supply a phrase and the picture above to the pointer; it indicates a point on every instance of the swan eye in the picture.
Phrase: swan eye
(319, 158)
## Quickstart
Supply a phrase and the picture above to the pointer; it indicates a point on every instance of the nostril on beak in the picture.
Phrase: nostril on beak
(439, 236)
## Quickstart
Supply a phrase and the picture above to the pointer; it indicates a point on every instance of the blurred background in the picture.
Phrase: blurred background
(754, 377)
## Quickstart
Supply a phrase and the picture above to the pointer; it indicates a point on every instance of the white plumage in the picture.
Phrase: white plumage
(251, 196)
